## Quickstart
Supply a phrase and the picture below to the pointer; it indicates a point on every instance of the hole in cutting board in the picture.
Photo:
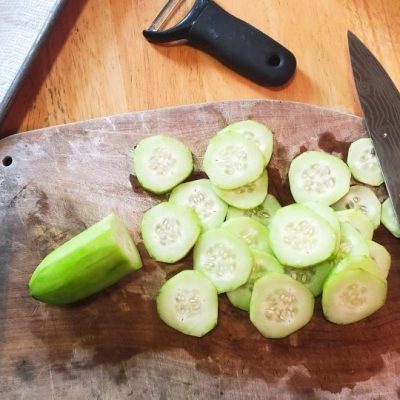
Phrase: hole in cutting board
(7, 161)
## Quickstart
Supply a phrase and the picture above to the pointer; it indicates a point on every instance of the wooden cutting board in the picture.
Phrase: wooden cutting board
(57, 181)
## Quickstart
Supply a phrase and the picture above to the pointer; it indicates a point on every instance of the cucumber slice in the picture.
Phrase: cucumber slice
(231, 161)
(255, 234)
(263, 263)
(89, 262)
(358, 220)
(200, 196)
(224, 258)
(188, 302)
(161, 162)
(261, 213)
(169, 231)
(352, 295)
(247, 196)
(299, 237)
(363, 162)
(280, 305)
(256, 132)
(318, 176)
(389, 219)
(365, 263)
(364, 199)
(329, 215)
(381, 256)
(351, 242)
(312, 278)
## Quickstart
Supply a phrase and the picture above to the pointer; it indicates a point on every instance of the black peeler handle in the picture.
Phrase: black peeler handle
(234, 42)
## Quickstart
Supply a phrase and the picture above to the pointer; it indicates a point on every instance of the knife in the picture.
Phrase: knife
(380, 103)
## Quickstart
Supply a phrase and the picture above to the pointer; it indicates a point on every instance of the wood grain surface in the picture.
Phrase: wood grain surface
(113, 346)
(96, 61)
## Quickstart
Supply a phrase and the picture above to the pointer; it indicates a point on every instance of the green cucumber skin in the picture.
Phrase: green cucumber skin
(86, 264)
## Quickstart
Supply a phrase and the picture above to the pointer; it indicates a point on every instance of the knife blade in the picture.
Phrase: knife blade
(380, 103)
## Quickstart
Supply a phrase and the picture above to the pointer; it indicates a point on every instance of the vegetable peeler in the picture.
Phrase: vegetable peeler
(232, 41)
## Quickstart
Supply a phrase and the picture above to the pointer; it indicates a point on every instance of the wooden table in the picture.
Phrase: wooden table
(96, 61)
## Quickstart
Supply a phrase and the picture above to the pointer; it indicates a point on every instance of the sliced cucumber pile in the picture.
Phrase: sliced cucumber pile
(272, 261)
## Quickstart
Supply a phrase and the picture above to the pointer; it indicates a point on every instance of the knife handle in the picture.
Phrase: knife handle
(232, 41)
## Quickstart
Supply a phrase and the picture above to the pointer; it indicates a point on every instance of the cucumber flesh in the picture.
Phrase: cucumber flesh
(89, 262)
(169, 231)
(352, 295)
(224, 258)
(301, 238)
(200, 196)
(329, 215)
(247, 196)
(263, 263)
(358, 220)
(261, 213)
(363, 162)
(389, 219)
(280, 305)
(381, 256)
(318, 176)
(312, 278)
(351, 242)
(231, 161)
(161, 162)
(188, 302)
(256, 132)
(253, 233)
(364, 199)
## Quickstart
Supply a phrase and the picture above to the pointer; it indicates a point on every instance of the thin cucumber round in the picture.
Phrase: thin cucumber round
(188, 302)
(256, 132)
(389, 219)
(358, 220)
(312, 278)
(263, 263)
(381, 256)
(351, 242)
(247, 196)
(363, 162)
(352, 295)
(231, 161)
(365, 263)
(169, 231)
(363, 198)
(200, 196)
(318, 176)
(280, 305)
(161, 162)
(301, 238)
(224, 258)
(253, 233)
(261, 213)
